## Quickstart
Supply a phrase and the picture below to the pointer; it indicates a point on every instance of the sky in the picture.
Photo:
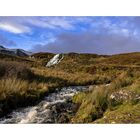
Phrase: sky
(101, 35)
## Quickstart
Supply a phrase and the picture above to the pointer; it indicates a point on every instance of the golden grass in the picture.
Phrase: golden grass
(93, 104)
(24, 84)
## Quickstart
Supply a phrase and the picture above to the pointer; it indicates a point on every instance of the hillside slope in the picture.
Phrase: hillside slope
(14, 52)
(114, 81)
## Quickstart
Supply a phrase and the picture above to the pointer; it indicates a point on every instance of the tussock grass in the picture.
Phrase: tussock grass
(15, 69)
(24, 81)
(93, 104)
(19, 93)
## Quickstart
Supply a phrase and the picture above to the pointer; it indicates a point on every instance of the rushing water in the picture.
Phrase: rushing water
(41, 113)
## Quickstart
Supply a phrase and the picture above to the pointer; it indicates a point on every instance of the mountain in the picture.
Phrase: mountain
(1, 47)
(15, 52)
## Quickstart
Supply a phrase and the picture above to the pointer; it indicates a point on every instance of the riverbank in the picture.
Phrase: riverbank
(25, 83)
(57, 107)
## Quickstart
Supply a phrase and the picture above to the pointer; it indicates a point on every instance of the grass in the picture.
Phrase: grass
(19, 86)
(22, 84)
(114, 80)
(124, 114)
(94, 104)
(15, 69)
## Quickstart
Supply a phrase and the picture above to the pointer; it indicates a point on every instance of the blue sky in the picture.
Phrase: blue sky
(102, 35)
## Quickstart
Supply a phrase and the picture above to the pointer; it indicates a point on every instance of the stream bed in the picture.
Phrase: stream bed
(52, 109)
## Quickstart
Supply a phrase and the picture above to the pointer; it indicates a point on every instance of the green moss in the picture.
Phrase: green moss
(126, 113)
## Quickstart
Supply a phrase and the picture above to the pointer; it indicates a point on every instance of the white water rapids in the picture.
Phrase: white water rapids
(41, 113)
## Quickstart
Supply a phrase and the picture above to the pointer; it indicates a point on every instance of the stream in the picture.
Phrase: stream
(51, 109)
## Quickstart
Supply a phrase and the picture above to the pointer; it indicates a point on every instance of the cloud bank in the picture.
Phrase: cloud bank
(88, 42)
(102, 35)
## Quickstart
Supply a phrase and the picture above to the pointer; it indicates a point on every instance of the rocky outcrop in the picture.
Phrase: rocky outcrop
(61, 112)
(124, 96)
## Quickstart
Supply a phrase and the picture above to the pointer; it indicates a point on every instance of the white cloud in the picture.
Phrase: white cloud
(50, 22)
(13, 28)
(37, 21)
(62, 23)
(24, 24)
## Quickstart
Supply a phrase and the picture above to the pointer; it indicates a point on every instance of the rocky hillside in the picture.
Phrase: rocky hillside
(15, 52)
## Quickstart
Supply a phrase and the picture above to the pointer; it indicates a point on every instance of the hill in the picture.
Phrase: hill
(14, 52)
(114, 84)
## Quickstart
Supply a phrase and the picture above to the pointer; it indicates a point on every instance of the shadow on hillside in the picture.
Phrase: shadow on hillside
(51, 80)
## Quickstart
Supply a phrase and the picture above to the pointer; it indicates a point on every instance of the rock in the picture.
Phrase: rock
(57, 107)
(60, 112)
(122, 95)
(91, 88)
(63, 118)
(112, 96)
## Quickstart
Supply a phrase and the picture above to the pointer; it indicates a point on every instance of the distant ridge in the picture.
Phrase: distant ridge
(16, 52)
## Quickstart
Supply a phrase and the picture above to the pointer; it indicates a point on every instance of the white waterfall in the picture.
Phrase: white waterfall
(55, 60)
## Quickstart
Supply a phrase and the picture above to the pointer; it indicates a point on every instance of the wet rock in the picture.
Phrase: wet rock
(55, 108)
(60, 112)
